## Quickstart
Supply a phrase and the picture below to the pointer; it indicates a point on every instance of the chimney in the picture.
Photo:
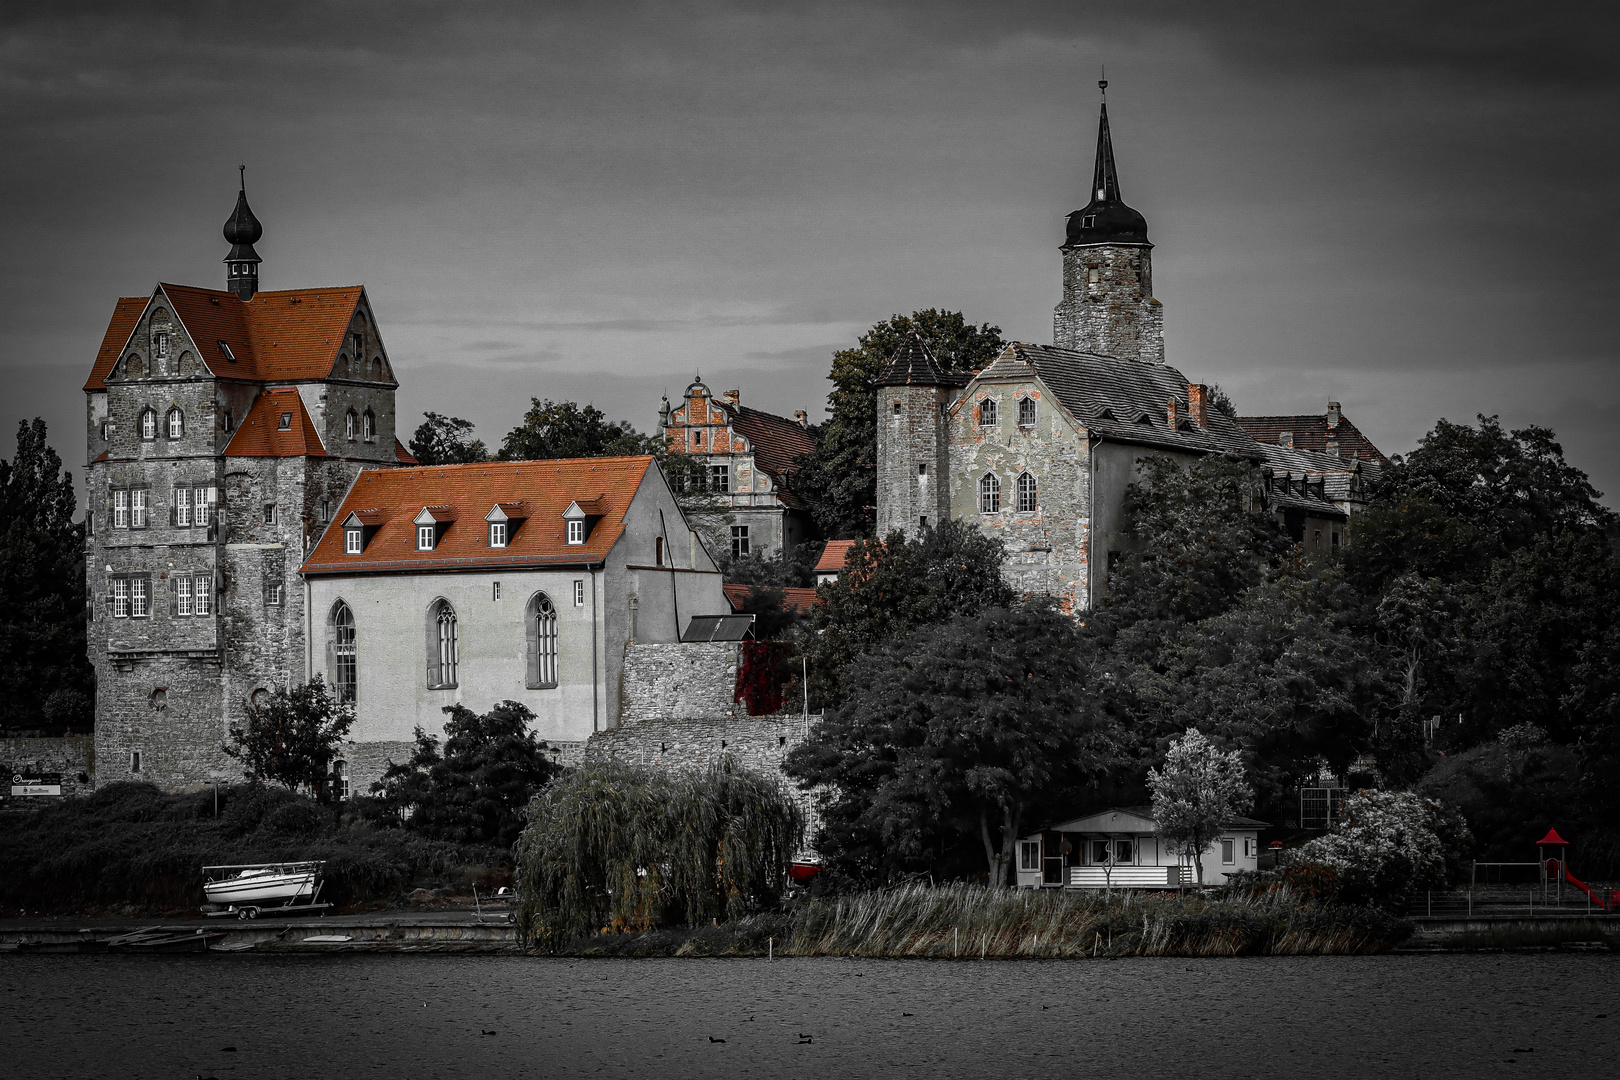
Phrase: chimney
(1285, 438)
(1198, 404)
(1170, 413)
(1333, 448)
(801, 418)
(1333, 415)
(732, 397)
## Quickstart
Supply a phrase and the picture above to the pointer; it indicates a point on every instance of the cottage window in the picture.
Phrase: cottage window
(1124, 851)
(1335, 537)
(370, 426)
(987, 412)
(576, 530)
(182, 506)
(1099, 853)
(989, 494)
(579, 594)
(160, 344)
(542, 635)
(351, 421)
(227, 419)
(285, 423)
(340, 632)
(137, 507)
(425, 535)
(1026, 412)
(739, 541)
(897, 408)
(120, 509)
(202, 594)
(1029, 855)
(922, 468)
(177, 423)
(1026, 494)
(325, 511)
(720, 477)
(444, 649)
(1228, 852)
(497, 534)
(351, 541)
(149, 424)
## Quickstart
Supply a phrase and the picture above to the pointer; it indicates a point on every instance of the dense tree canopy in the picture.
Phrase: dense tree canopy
(292, 737)
(565, 429)
(839, 480)
(42, 638)
(446, 440)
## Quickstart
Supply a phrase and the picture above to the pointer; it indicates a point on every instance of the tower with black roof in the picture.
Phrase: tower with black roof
(1108, 304)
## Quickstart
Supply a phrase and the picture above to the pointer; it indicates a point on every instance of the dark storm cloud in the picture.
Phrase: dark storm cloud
(1406, 207)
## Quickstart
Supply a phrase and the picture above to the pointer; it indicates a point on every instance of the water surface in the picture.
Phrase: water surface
(423, 1016)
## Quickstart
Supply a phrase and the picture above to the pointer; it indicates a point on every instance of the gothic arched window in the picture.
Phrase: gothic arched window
(1026, 494)
(370, 426)
(444, 649)
(149, 424)
(1026, 412)
(989, 494)
(342, 657)
(987, 412)
(177, 423)
(541, 627)
(350, 422)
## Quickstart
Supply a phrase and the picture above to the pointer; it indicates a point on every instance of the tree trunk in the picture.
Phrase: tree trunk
(999, 857)
(1198, 861)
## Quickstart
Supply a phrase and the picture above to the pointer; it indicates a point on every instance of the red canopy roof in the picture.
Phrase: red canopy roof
(1552, 838)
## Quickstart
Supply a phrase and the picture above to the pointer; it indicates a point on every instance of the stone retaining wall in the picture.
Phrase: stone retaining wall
(73, 756)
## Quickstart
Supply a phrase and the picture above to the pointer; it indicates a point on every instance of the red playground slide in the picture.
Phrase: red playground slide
(1603, 904)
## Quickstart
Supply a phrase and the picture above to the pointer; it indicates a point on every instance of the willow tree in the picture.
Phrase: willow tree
(620, 848)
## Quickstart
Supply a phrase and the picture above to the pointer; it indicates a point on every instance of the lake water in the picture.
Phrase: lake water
(423, 1016)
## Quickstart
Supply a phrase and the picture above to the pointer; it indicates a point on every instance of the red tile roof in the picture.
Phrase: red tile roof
(396, 496)
(402, 455)
(834, 555)
(261, 433)
(292, 334)
(1312, 433)
(776, 440)
(799, 600)
(126, 313)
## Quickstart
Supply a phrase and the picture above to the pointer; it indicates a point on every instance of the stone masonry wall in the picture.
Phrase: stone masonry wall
(1115, 314)
(689, 680)
(911, 432)
(73, 756)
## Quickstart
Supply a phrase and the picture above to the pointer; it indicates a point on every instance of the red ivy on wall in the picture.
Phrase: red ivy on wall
(761, 676)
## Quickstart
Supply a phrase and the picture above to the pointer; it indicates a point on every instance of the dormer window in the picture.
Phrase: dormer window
(497, 534)
(576, 531)
(285, 423)
(425, 536)
(428, 524)
(352, 541)
(503, 519)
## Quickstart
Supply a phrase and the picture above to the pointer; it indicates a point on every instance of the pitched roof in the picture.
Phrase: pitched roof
(291, 334)
(914, 365)
(834, 556)
(261, 433)
(799, 600)
(126, 313)
(395, 496)
(1312, 432)
(776, 440)
(1125, 400)
(402, 455)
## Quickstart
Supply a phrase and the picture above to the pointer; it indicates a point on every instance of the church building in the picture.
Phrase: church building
(1039, 446)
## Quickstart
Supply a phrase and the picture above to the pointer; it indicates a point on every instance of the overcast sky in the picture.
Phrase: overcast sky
(1409, 208)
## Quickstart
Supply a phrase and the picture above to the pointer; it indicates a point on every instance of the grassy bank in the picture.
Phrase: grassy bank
(129, 848)
(971, 921)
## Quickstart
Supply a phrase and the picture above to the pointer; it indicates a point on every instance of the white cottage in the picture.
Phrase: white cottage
(1121, 848)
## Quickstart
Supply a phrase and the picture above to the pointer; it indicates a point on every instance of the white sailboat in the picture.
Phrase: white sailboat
(261, 884)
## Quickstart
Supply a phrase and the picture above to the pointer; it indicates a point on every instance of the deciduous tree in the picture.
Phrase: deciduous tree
(446, 440)
(1200, 789)
(564, 429)
(292, 737)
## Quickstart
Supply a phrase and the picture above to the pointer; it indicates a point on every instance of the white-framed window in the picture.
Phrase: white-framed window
(149, 424)
(120, 594)
(369, 426)
(497, 534)
(203, 501)
(542, 635)
(140, 601)
(1026, 412)
(120, 514)
(720, 478)
(576, 530)
(351, 541)
(139, 502)
(1228, 851)
(987, 412)
(160, 343)
(1026, 494)
(1029, 855)
(285, 423)
(182, 507)
(579, 594)
(351, 422)
(989, 494)
(269, 513)
(272, 594)
(1093, 275)
(444, 656)
(177, 423)
(341, 634)
(1124, 852)
(494, 590)
(340, 781)
(425, 535)
(1248, 847)
(739, 541)
(182, 596)
(202, 594)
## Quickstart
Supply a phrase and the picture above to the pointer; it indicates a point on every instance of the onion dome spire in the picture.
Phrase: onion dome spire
(242, 231)
(1106, 219)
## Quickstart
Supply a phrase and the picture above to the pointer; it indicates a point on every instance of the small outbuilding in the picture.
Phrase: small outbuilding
(1120, 848)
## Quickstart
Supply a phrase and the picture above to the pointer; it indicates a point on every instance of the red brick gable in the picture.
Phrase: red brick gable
(1312, 433)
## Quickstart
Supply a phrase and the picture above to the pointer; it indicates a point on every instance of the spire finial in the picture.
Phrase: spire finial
(1102, 83)
(243, 170)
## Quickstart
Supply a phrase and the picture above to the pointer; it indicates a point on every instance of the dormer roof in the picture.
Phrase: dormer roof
(260, 433)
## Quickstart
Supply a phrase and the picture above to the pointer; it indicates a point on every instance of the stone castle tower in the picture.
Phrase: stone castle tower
(1108, 304)
(223, 428)
(913, 454)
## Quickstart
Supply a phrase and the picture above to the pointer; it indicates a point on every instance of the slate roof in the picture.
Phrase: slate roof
(126, 313)
(1344, 479)
(1312, 433)
(1124, 400)
(914, 365)
(261, 434)
(392, 497)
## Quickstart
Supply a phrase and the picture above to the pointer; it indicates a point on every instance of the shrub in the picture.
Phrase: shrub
(1384, 848)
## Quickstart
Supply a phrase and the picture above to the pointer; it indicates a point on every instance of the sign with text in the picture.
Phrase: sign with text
(36, 783)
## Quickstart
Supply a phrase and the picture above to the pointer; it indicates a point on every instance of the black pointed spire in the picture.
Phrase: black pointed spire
(913, 365)
(242, 231)
(1106, 219)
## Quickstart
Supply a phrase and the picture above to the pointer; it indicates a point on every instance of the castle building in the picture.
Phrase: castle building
(222, 429)
(1040, 445)
(748, 455)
